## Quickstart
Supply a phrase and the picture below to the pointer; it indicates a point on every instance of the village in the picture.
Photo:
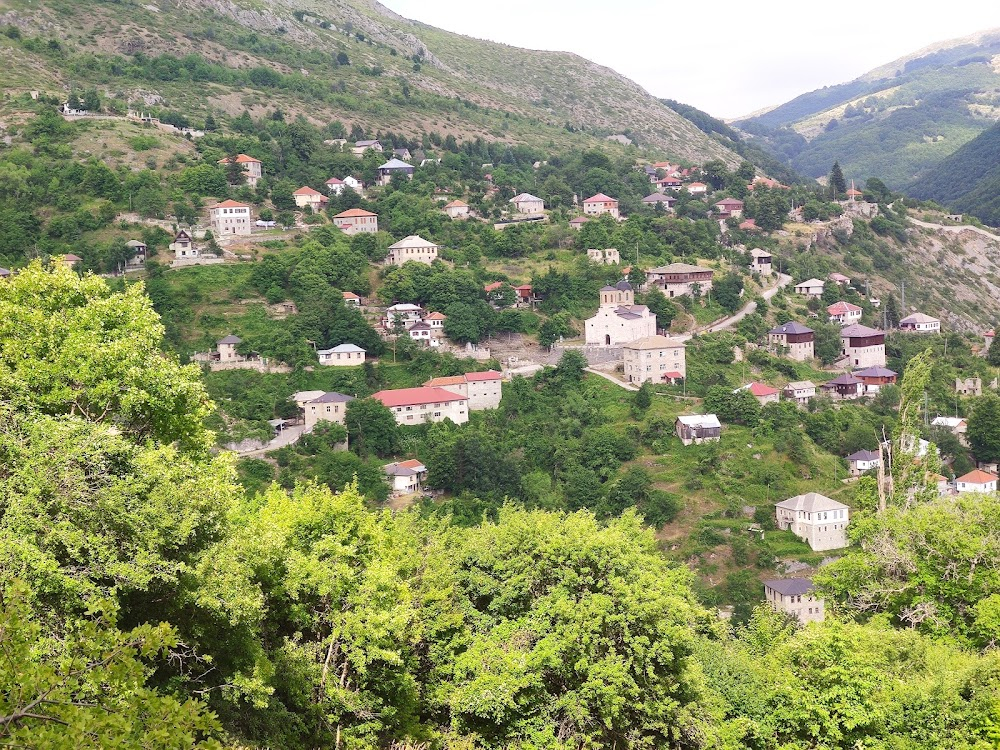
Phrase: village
(622, 341)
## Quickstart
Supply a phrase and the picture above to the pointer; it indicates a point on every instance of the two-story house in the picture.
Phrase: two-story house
(816, 519)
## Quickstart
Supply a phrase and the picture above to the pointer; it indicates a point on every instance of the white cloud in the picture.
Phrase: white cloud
(726, 59)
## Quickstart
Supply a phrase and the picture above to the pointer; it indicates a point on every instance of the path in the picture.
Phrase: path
(288, 436)
(956, 229)
(612, 378)
(750, 307)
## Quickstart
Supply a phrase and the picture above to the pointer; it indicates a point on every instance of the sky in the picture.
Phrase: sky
(728, 59)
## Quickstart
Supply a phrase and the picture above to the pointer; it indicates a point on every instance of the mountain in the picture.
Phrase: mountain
(349, 60)
(968, 181)
(896, 120)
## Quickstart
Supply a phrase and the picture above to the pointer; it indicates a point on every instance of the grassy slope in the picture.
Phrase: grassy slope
(518, 95)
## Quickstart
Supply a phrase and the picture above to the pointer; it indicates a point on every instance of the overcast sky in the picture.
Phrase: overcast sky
(728, 59)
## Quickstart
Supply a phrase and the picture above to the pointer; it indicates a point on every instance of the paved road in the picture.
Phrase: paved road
(750, 307)
(288, 436)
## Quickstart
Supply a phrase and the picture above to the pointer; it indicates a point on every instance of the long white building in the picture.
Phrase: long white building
(619, 320)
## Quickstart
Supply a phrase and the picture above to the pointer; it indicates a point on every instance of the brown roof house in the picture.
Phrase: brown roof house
(599, 204)
(655, 359)
(679, 279)
(252, 168)
(356, 221)
(863, 346)
(793, 339)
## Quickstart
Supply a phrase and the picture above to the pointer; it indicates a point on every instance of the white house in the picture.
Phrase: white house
(977, 480)
(863, 461)
(183, 246)
(226, 347)
(955, 425)
(800, 391)
(618, 319)
(810, 288)
(230, 218)
(457, 209)
(920, 323)
(406, 477)
(307, 197)
(406, 312)
(609, 256)
(413, 248)
(764, 394)
(327, 407)
(483, 389)
(356, 221)
(795, 597)
(528, 204)
(815, 519)
(844, 313)
(600, 204)
(418, 405)
(359, 147)
(656, 359)
(344, 355)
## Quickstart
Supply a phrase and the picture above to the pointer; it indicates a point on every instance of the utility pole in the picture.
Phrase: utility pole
(902, 298)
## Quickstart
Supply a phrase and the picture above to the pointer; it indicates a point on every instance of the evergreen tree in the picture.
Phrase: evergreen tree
(993, 354)
(234, 170)
(837, 183)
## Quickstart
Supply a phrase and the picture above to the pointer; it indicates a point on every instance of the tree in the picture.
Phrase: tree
(73, 346)
(371, 428)
(827, 343)
(469, 321)
(86, 686)
(836, 181)
(984, 428)
(727, 292)
(993, 354)
(738, 406)
(643, 398)
(876, 191)
(658, 304)
(234, 170)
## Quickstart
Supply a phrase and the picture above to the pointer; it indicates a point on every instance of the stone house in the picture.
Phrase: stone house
(609, 256)
(230, 218)
(307, 197)
(969, 386)
(863, 346)
(760, 261)
(183, 246)
(391, 169)
(356, 221)
(795, 597)
(252, 168)
(764, 394)
(528, 204)
(816, 519)
(359, 147)
(796, 340)
(844, 313)
(413, 248)
(875, 378)
(483, 389)
(844, 387)
(810, 288)
(327, 407)
(457, 209)
(655, 359)
(920, 323)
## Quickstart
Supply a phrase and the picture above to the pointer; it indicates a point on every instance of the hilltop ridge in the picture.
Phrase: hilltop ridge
(350, 60)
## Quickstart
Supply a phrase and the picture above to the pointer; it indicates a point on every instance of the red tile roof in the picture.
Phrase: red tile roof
(416, 396)
(479, 376)
(411, 463)
(306, 190)
(977, 476)
(231, 204)
(241, 159)
(759, 389)
(600, 198)
(839, 308)
(436, 316)
(353, 212)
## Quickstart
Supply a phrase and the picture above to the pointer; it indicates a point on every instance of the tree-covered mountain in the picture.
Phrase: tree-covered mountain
(352, 61)
(968, 181)
(893, 122)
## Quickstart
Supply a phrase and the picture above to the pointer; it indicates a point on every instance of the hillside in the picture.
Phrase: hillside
(895, 121)
(352, 61)
(968, 181)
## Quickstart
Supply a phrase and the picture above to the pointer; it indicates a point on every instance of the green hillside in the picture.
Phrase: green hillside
(351, 61)
(894, 122)
(968, 181)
